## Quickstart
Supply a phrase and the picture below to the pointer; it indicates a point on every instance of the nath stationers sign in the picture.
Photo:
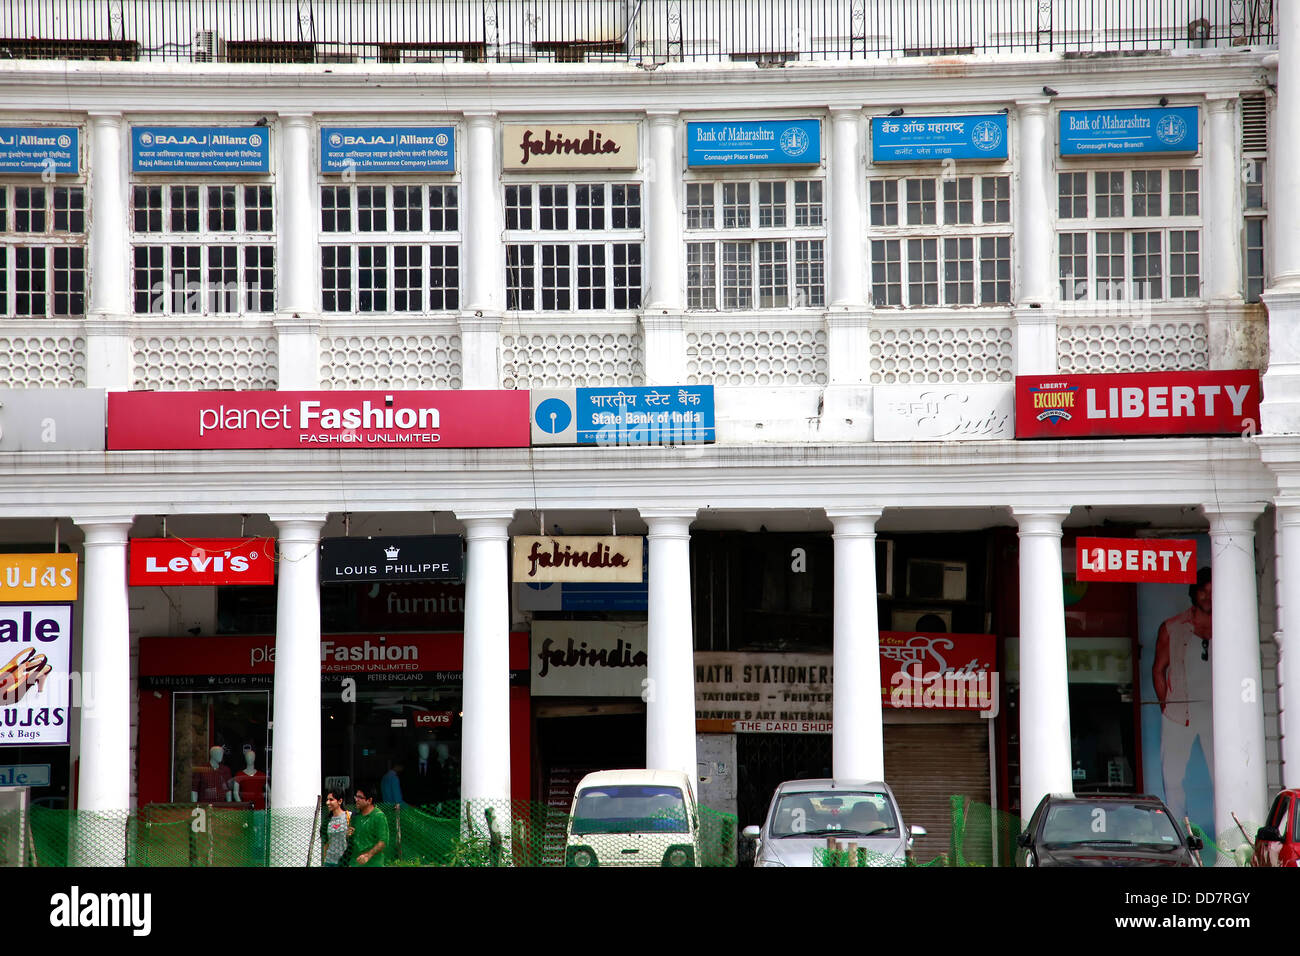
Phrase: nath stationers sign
(577, 559)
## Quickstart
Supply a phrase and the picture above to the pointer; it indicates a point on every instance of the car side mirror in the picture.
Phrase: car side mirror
(1195, 843)
(918, 831)
(1025, 839)
(1268, 835)
(750, 833)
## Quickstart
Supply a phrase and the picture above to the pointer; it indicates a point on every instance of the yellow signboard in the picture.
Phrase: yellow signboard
(30, 578)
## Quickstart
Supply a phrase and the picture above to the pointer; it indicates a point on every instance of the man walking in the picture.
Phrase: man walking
(370, 829)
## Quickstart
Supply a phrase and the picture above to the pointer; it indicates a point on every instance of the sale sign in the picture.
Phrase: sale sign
(171, 562)
(1153, 560)
(35, 655)
(1138, 403)
(338, 419)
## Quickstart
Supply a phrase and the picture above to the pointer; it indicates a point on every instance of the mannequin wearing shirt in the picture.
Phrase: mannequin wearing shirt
(212, 784)
(250, 783)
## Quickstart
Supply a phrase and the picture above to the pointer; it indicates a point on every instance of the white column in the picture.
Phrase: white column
(295, 765)
(297, 321)
(1223, 199)
(670, 646)
(104, 776)
(858, 745)
(1239, 761)
(108, 345)
(1288, 665)
(485, 734)
(662, 321)
(484, 262)
(847, 253)
(1044, 678)
(1036, 309)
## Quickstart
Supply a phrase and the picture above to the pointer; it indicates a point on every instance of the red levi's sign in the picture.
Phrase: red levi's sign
(170, 562)
(342, 419)
(1147, 560)
(1137, 403)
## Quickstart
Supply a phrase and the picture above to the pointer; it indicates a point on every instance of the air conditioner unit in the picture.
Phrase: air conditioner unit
(915, 620)
(884, 569)
(930, 580)
(208, 47)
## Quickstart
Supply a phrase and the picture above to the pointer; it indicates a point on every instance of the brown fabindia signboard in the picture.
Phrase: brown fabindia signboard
(569, 146)
(612, 559)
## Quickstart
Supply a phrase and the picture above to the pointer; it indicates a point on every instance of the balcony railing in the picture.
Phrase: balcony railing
(768, 32)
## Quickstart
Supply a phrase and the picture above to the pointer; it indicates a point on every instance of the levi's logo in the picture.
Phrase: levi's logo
(202, 561)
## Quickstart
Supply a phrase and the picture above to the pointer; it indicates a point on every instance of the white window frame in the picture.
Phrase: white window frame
(49, 245)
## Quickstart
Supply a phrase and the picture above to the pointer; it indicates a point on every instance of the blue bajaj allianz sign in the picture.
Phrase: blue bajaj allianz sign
(664, 415)
(1170, 129)
(899, 139)
(38, 149)
(764, 143)
(200, 149)
(388, 149)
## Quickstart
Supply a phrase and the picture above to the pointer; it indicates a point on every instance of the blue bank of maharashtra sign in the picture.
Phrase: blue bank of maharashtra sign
(200, 149)
(388, 149)
(633, 415)
(38, 149)
(763, 143)
(1171, 129)
(899, 139)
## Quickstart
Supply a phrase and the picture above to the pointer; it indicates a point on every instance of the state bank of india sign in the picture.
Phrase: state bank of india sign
(333, 419)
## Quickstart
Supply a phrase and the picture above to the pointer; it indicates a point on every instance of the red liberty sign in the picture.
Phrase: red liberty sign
(1150, 560)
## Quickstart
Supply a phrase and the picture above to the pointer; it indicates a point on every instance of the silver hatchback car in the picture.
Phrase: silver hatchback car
(804, 814)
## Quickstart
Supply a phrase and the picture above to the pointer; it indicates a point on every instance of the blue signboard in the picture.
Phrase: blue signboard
(1171, 129)
(25, 775)
(897, 139)
(763, 143)
(633, 415)
(38, 149)
(200, 149)
(388, 149)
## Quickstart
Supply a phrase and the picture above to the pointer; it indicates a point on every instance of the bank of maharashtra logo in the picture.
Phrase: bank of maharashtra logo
(441, 139)
(391, 553)
(336, 139)
(146, 139)
(65, 141)
(1171, 129)
(986, 136)
(553, 416)
(255, 140)
(794, 141)
(1054, 401)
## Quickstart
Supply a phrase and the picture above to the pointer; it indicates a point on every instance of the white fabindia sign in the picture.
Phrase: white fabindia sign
(609, 559)
(956, 412)
(588, 658)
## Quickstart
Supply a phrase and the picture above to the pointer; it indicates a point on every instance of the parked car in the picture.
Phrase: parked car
(1104, 830)
(633, 818)
(1278, 841)
(804, 814)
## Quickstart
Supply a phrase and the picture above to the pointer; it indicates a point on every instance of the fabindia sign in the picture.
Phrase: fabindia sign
(1137, 403)
(333, 419)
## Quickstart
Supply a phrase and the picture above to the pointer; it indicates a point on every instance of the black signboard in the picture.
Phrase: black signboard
(430, 557)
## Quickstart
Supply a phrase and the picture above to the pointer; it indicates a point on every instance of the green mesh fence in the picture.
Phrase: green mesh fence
(471, 833)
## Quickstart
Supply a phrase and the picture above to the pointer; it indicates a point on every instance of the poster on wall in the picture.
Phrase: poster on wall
(35, 656)
(1174, 628)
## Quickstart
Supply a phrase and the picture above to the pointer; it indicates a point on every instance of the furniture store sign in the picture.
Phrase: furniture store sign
(172, 562)
(909, 139)
(37, 577)
(546, 558)
(761, 143)
(430, 557)
(1138, 403)
(39, 149)
(326, 419)
(1121, 132)
(200, 149)
(388, 149)
(35, 657)
(569, 146)
(589, 658)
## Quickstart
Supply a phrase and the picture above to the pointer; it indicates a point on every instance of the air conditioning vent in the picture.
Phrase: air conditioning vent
(930, 580)
(208, 47)
(931, 620)
(1254, 124)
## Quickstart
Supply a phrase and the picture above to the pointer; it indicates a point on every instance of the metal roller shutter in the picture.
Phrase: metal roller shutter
(925, 764)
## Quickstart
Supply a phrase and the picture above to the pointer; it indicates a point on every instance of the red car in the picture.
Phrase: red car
(1278, 842)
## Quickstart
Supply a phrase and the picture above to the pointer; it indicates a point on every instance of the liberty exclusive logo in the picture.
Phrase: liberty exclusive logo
(1056, 400)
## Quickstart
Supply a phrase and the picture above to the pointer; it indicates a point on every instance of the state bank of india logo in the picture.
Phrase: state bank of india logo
(1054, 401)
(1171, 129)
(794, 141)
(336, 139)
(255, 140)
(986, 136)
(146, 139)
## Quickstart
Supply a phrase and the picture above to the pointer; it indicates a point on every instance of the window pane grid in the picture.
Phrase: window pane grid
(42, 250)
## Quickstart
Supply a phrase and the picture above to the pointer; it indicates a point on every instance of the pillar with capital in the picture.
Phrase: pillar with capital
(858, 747)
(484, 265)
(1036, 302)
(670, 646)
(108, 308)
(1288, 664)
(297, 322)
(661, 318)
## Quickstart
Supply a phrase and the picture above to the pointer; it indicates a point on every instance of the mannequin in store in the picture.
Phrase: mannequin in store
(423, 781)
(213, 783)
(250, 783)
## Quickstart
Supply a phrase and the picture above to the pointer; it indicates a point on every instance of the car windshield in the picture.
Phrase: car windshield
(1109, 823)
(839, 812)
(630, 809)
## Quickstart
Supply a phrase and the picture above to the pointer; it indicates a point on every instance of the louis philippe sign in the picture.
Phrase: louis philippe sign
(569, 146)
(609, 559)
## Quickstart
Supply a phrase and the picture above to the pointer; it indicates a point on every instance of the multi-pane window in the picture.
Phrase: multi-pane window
(573, 246)
(755, 244)
(1256, 221)
(202, 248)
(940, 241)
(1129, 234)
(42, 250)
(390, 248)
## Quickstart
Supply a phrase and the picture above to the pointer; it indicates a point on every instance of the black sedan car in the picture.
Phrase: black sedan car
(1105, 830)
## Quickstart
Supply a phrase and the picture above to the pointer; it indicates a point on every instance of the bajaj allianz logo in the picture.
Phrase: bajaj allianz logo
(1054, 401)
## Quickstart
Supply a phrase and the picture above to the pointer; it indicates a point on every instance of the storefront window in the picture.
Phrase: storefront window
(209, 735)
